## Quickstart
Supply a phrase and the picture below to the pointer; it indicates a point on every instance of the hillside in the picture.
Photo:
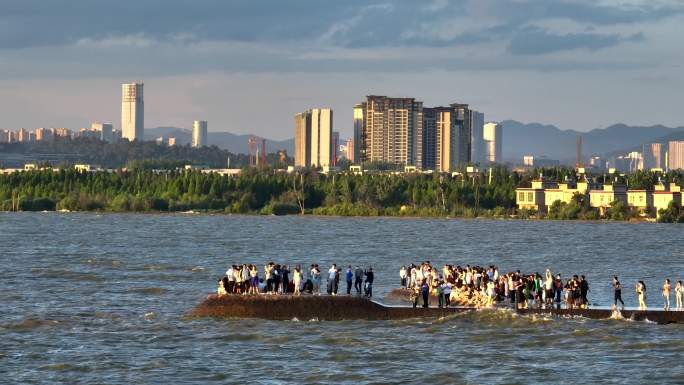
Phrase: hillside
(549, 140)
(234, 143)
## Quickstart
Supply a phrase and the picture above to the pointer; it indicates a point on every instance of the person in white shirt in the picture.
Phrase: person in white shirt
(331, 278)
(230, 273)
(403, 275)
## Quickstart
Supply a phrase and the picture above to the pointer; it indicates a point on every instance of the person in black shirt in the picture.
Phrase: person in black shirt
(617, 288)
(584, 290)
(369, 282)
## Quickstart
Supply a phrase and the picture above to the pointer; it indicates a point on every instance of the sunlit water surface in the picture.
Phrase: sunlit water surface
(89, 298)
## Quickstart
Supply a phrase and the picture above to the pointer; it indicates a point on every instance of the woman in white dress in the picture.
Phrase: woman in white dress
(297, 279)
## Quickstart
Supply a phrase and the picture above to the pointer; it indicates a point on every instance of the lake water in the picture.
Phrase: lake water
(90, 298)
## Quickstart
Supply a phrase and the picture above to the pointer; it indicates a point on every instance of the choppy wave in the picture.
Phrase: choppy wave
(148, 290)
(67, 274)
(28, 324)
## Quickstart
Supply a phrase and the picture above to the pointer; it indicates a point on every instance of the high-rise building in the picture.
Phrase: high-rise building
(430, 117)
(654, 156)
(199, 133)
(104, 131)
(392, 130)
(172, 141)
(335, 148)
(446, 137)
(477, 152)
(62, 132)
(314, 138)
(463, 121)
(321, 137)
(22, 135)
(675, 155)
(132, 111)
(493, 138)
(303, 139)
(43, 134)
(358, 150)
(349, 150)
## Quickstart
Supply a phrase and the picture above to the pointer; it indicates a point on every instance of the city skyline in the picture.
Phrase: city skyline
(575, 65)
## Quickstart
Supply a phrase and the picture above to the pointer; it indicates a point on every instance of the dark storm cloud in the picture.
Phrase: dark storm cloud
(348, 23)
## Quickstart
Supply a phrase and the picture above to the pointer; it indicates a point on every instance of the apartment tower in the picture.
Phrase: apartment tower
(675, 155)
(314, 138)
(392, 130)
(199, 133)
(132, 111)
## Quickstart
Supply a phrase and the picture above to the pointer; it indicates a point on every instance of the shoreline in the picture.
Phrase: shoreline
(398, 217)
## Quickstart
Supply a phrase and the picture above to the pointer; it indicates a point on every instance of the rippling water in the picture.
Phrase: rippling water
(89, 298)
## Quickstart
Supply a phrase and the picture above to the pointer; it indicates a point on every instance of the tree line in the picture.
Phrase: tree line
(267, 191)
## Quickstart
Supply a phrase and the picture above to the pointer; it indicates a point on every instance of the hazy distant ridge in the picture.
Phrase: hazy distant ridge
(519, 139)
(538, 139)
(226, 140)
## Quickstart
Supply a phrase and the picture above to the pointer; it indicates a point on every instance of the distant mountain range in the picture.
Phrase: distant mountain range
(518, 139)
(234, 143)
(536, 139)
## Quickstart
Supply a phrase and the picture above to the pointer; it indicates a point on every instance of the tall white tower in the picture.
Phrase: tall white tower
(493, 138)
(132, 111)
(199, 133)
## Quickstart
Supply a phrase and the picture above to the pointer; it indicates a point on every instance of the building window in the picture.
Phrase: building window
(521, 196)
(530, 197)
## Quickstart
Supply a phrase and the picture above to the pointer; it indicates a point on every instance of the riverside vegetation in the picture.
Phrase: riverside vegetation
(268, 192)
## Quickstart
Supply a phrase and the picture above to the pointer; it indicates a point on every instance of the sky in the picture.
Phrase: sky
(248, 66)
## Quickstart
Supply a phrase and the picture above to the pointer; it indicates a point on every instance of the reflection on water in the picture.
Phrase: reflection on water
(101, 298)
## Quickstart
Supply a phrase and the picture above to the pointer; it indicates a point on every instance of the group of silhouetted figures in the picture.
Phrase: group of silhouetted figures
(280, 279)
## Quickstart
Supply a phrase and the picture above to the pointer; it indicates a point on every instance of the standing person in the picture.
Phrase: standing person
(349, 275)
(285, 273)
(641, 294)
(336, 284)
(666, 295)
(403, 274)
(678, 294)
(277, 279)
(425, 291)
(548, 288)
(558, 288)
(297, 280)
(315, 280)
(358, 279)
(369, 281)
(440, 294)
(268, 275)
(253, 280)
(447, 294)
(230, 273)
(245, 279)
(331, 278)
(584, 290)
(617, 292)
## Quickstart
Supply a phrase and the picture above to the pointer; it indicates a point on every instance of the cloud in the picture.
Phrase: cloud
(535, 41)
(349, 23)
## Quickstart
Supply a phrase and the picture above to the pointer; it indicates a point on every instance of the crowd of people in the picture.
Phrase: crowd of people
(281, 279)
(464, 286)
(483, 287)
